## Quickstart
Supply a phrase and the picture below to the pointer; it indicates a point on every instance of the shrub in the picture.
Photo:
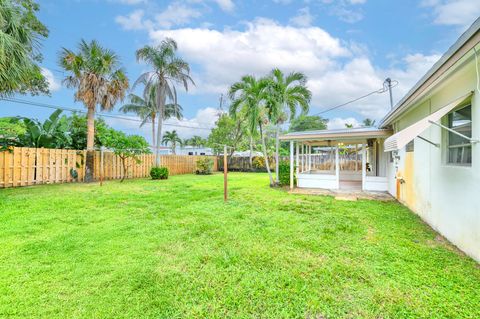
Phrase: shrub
(258, 162)
(204, 166)
(159, 173)
(284, 173)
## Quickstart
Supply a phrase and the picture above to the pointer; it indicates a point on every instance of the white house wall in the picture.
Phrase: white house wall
(446, 197)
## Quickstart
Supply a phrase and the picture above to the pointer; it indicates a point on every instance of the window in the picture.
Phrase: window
(459, 149)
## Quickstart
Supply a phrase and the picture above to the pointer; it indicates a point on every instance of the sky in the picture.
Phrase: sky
(346, 48)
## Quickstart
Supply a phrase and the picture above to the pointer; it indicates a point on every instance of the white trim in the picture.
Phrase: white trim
(364, 164)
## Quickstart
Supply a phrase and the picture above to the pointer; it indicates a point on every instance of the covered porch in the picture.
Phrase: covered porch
(347, 159)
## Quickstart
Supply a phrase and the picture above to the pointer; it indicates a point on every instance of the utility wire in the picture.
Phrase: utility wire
(15, 100)
(50, 106)
(380, 91)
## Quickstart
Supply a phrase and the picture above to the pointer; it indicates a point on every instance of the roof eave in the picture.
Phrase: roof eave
(461, 47)
(335, 136)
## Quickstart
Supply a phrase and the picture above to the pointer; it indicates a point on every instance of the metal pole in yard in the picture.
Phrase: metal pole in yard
(291, 165)
(225, 173)
(101, 166)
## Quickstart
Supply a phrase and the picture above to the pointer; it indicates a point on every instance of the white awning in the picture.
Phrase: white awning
(400, 139)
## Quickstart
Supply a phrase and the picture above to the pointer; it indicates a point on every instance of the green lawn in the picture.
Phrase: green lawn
(173, 249)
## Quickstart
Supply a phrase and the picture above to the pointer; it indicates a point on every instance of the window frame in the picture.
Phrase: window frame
(446, 136)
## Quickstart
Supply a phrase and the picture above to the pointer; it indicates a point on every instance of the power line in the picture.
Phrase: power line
(380, 91)
(50, 106)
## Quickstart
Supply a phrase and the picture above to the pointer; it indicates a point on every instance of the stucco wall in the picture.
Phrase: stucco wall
(447, 197)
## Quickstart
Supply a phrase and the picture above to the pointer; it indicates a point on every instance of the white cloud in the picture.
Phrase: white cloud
(347, 15)
(357, 1)
(133, 21)
(303, 19)
(205, 118)
(176, 14)
(337, 71)
(263, 45)
(53, 83)
(226, 5)
(339, 123)
(454, 12)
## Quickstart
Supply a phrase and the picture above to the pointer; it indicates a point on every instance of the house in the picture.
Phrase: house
(186, 150)
(193, 150)
(425, 151)
(163, 150)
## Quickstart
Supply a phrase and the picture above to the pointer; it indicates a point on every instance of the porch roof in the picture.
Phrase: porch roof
(347, 134)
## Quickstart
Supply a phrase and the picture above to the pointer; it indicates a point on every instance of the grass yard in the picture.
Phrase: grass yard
(173, 249)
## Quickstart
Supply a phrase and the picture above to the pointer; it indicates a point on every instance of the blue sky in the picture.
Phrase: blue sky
(346, 47)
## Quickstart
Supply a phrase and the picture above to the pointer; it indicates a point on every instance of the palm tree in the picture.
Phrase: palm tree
(146, 108)
(96, 75)
(20, 35)
(286, 93)
(249, 97)
(168, 70)
(368, 122)
(196, 141)
(172, 138)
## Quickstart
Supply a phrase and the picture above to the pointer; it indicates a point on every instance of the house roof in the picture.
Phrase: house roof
(460, 48)
(338, 134)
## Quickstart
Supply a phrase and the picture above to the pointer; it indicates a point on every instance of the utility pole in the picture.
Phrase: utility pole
(388, 81)
(220, 106)
(101, 166)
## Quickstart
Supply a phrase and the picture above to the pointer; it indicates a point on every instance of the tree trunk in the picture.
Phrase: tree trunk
(277, 156)
(161, 115)
(157, 146)
(89, 161)
(250, 158)
(264, 147)
(153, 129)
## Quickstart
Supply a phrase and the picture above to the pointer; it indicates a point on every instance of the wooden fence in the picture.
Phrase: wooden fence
(32, 166)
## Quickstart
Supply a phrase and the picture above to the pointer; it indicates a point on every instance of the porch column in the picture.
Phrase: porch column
(337, 166)
(291, 165)
(364, 165)
(304, 157)
(356, 157)
(332, 167)
(298, 162)
(309, 157)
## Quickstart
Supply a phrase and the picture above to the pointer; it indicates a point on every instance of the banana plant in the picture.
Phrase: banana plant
(53, 133)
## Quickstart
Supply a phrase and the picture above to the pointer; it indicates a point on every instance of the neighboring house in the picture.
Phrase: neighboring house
(426, 152)
(193, 150)
(163, 150)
